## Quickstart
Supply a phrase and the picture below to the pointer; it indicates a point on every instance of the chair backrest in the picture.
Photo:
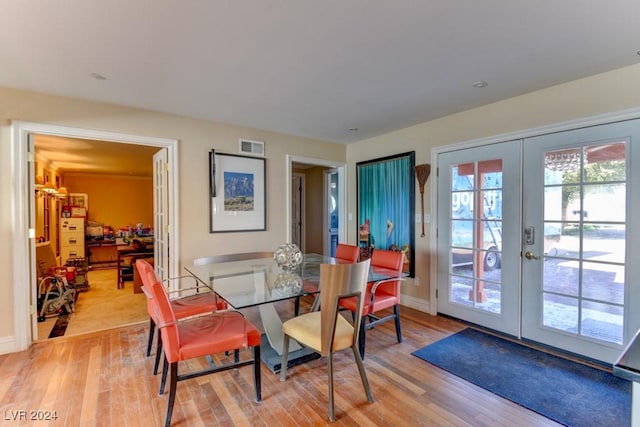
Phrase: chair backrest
(166, 323)
(340, 281)
(392, 260)
(347, 253)
(148, 276)
(231, 257)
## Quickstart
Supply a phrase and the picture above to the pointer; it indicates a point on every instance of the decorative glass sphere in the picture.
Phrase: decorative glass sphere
(288, 256)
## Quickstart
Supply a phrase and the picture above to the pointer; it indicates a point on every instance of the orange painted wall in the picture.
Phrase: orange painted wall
(118, 201)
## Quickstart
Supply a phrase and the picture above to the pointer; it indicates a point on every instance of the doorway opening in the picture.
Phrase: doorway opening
(321, 199)
(101, 203)
(25, 268)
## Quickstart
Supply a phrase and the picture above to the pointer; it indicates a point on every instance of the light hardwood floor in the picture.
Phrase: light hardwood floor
(104, 379)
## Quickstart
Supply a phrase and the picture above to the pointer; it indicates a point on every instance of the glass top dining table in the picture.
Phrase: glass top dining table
(258, 281)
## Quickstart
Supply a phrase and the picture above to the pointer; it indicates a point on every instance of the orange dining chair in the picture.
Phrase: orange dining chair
(344, 254)
(347, 253)
(220, 332)
(327, 331)
(381, 295)
(192, 305)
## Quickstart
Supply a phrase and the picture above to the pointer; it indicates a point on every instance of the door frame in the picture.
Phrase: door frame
(633, 113)
(342, 186)
(24, 239)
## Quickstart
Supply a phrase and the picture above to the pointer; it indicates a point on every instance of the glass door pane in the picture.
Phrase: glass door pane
(584, 222)
(478, 236)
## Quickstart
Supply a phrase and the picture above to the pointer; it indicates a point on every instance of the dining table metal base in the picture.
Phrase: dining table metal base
(272, 324)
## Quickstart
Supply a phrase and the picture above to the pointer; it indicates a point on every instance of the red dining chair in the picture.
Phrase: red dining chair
(381, 295)
(223, 331)
(184, 307)
(327, 331)
(345, 253)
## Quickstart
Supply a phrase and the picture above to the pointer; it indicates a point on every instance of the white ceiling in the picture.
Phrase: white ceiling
(311, 68)
(82, 156)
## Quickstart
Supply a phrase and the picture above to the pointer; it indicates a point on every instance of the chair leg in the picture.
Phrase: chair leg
(165, 368)
(285, 358)
(257, 378)
(396, 312)
(361, 337)
(158, 355)
(173, 382)
(332, 415)
(152, 329)
(363, 373)
(296, 307)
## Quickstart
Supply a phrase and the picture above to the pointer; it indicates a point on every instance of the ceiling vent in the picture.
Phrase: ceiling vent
(254, 148)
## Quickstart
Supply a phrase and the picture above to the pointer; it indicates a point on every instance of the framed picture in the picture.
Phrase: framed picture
(386, 206)
(237, 193)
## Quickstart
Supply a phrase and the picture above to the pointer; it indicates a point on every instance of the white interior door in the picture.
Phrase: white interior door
(478, 277)
(581, 225)
(161, 213)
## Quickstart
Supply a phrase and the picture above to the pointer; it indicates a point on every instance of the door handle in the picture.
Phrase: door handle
(531, 255)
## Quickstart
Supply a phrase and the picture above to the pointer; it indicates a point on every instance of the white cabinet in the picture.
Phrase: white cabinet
(71, 238)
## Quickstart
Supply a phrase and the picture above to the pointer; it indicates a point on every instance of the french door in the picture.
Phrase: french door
(478, 235)
(535, 237)
(580, 232)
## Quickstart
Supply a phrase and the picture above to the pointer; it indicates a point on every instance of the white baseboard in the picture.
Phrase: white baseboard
(415, 303)
(7, 345)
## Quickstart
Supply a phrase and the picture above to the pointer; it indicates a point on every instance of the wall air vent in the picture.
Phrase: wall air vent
(254, 148)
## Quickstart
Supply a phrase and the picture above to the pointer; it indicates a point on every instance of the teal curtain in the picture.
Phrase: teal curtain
(385, 201)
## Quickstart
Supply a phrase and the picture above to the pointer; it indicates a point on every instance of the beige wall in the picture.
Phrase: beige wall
(118, 201)
(196, 138)
(600, 94)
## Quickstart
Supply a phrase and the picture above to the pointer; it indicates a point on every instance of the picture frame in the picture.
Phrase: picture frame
(237, 193)
(386, 206)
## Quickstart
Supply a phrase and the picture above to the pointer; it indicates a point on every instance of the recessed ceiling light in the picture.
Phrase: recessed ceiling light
(353, 129)
(97, 76)
(480, 84)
